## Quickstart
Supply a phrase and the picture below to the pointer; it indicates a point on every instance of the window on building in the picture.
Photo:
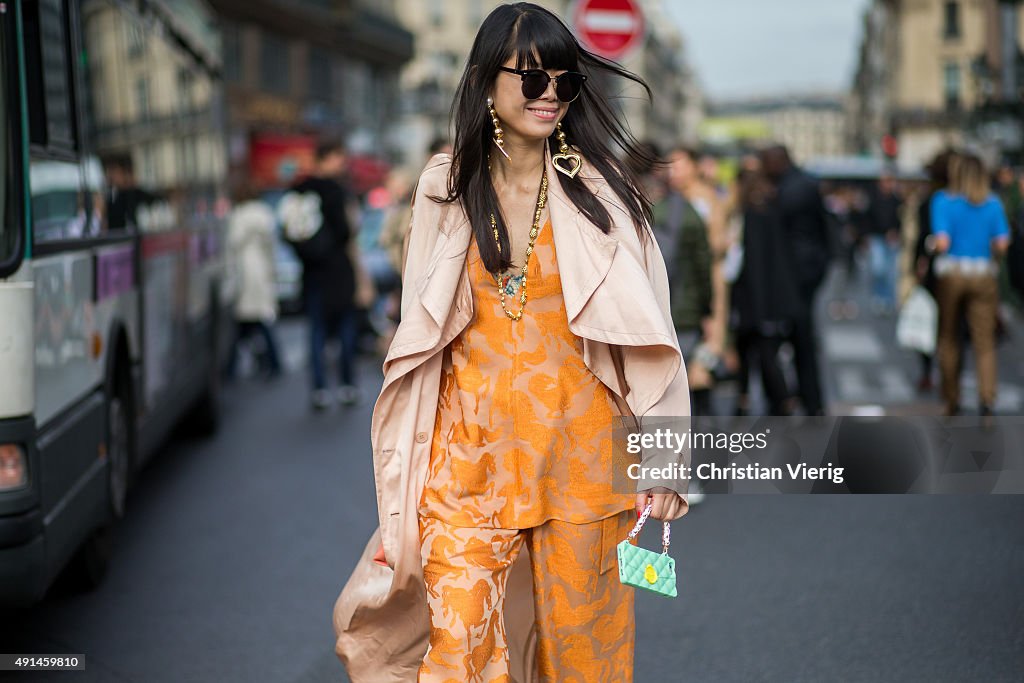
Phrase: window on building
(951, 24)
(142, 98)
(232, 53)
(274, 64)
(185, 81)
(187, 162)
(148, 174)
(952, 85)
(319, 74)
(437, 12)
(134, 39)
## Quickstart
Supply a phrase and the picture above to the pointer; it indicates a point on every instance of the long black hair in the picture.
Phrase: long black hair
(532, 33)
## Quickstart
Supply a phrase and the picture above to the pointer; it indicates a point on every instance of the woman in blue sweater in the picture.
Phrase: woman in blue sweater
(970, 231)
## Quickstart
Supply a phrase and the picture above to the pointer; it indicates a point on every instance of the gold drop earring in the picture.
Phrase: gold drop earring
(566, 161)
(499, 140)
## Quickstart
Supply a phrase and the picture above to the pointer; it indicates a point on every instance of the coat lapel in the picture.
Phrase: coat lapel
(442, 282)
(584, 253)
(438, 285)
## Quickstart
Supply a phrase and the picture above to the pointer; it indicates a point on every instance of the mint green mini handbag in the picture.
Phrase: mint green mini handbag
(647, 569)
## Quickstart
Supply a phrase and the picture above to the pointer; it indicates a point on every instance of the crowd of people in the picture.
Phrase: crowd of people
(350, 249)
(956, 235)
(745, 260)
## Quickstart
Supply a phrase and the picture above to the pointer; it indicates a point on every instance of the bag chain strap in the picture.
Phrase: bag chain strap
(666, 528)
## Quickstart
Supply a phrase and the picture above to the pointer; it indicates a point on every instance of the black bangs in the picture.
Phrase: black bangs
(539, 35)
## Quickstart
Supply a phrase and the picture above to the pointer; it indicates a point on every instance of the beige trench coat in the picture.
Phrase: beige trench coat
(617, 300)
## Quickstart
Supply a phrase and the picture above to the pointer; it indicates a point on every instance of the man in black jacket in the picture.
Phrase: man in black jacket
(803, 219)
(328, 275)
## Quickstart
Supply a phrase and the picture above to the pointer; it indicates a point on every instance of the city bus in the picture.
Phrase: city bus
(113, 289)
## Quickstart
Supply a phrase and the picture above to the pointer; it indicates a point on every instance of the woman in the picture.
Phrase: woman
(492, 433)
(765, 296)
(970, 230)
(251, 245)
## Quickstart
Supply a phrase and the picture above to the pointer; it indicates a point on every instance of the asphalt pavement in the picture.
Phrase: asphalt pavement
(234, 549)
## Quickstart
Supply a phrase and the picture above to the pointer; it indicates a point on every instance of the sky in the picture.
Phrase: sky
(743, 48)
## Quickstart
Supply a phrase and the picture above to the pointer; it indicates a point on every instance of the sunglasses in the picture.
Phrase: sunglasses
(568, 86)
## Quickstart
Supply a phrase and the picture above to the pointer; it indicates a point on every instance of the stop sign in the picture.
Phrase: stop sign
(609, 28)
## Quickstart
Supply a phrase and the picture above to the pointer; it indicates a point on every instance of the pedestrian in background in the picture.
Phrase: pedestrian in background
(884, 231)
(685, 180)
(970, 231)
(710, 171)
(1010, 190)
(251, 227)
(478, 486)
(382, 204)
(395, 231)
(766, 299)
(689, 266)
(939, 190)
(802, 213)
(841, 204)
(328, 272)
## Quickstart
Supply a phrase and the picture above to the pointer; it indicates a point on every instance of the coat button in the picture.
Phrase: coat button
(421, 437)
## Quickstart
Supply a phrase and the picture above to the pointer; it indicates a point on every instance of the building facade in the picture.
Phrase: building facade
(300, 71)
(810, 126)
(151, 99)
(938, 73)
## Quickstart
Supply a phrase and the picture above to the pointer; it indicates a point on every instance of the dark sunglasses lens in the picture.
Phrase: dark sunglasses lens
(569, 87)
(534, 84)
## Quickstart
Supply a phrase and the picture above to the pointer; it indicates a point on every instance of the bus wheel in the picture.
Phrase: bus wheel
(118, 453)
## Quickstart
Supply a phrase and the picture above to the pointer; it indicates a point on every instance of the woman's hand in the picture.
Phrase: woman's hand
(667, 504)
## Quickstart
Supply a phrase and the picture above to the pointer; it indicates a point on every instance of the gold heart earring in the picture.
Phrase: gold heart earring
(566, 155)
(499, 140)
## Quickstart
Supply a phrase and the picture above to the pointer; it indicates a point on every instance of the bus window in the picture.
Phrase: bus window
(60, 208)
(57, 202)
(49, 79)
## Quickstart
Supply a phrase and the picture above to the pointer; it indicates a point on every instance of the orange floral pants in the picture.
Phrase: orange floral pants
(583, 614)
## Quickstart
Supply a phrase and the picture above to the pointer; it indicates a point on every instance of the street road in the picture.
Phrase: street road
(235, 548)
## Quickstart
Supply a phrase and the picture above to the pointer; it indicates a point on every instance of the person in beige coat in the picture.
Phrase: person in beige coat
(251, 251)
(392, 620)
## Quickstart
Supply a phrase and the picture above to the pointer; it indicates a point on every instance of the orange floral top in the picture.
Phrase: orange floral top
(523, 432)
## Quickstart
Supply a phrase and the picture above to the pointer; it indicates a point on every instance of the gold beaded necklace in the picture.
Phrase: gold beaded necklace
(542, 198)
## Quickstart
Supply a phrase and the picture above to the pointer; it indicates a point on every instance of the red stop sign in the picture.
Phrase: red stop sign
(609, 28)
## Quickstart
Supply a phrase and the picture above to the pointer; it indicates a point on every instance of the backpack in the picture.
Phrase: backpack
(302, 223)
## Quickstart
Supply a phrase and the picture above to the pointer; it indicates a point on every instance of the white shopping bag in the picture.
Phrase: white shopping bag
(918, 323)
